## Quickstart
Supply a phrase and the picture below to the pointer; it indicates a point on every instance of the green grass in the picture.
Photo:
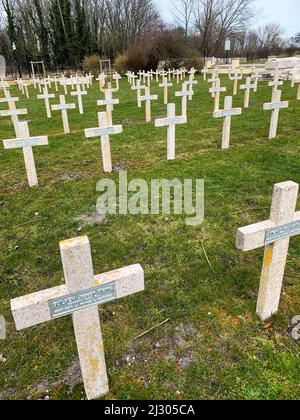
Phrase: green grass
(212, 324)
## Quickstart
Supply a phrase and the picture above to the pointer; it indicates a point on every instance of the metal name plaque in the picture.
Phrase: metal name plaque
(286, 231)
(106, 131)
(82, 300)
(279, 105)
(26, 143)
(176, 120)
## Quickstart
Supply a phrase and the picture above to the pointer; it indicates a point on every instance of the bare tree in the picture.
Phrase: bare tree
(183, 13)
(218, 19)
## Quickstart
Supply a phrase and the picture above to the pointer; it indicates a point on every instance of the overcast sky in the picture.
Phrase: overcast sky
(286, 12)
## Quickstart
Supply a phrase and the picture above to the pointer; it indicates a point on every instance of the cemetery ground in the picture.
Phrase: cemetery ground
(213, 346)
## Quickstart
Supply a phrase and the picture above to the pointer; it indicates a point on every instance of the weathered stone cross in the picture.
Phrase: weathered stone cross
(184, 94)
(46, 96)
(171, 121)
(63, 107)
(190, 85)
(213, 82)
(117, 77)
(235, 79)
(216, 90)
(80, 297)
(104, 131)
(227, 113)
(273, 234)
(147, 99)
(26, 142)
(101, 79)
(79, 93)
(165, 85)
(275, 107)
(138, 88)
(275, 84)
(12, 111)
(109, 102)
(247, 88)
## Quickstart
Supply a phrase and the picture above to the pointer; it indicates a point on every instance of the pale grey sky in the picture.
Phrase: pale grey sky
(285, 12)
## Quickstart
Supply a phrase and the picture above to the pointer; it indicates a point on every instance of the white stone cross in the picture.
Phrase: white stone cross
(26, 142)
(117, 77)
(190, 85)
(216, 90)
(46, 96)
(204, 72)
(80, 297)
(101, 79)
(63, 107)
(255, 77)
(184, 94)
(274, 85)
(227, 113)
(274, 235)
(235, 79)
(275, 107)
(165, 85)
(138, 89)
(109, 102)
(24, 87)
(213, 82)
(64, 82)
(247, 88)
(12, 112)
(171, 121)
(147, 99)
(104, 130)
(79, 93)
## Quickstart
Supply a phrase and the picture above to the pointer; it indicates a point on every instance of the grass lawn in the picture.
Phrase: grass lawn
(214, 346)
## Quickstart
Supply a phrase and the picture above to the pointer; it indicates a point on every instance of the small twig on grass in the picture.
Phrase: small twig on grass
(249, 209)
(207, 259)
(151, 329)
(28, 223)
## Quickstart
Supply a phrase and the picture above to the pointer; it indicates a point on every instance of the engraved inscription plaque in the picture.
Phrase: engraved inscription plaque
(282, 232)
(82, 300)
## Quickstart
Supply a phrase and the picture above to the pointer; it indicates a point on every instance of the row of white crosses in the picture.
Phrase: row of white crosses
(228, 112)
(147, 77)
(80, 297)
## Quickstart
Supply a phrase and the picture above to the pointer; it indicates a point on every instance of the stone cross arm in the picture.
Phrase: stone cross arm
(46, 96)
(170, 121)
(79, 92)
(275, 83)
(149, 98)
(227, 112)
(217, 90)
(63, 107)
(6, 100)
(138, 87)
(35, 309)
(233, 78)
(25, 142)
(99, 132)
(186, 93)
(9, 113)
(165, 85)
(276, 105)
(254, 236)
(247, 86)
(108, 102)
